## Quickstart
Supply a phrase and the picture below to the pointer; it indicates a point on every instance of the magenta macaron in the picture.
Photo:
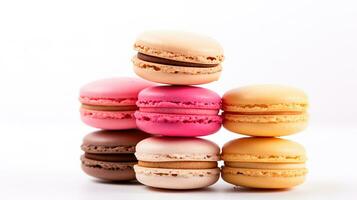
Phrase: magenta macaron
(110, 103)
(178, 111)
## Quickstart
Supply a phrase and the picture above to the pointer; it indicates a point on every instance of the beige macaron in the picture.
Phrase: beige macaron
(265, 110)
(264, 163)
(180, 58)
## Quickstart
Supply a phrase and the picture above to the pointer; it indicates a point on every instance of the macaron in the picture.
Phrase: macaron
(110, 103)
(177, 163)
(178, 111)
(271, 163)
(109, 155)
(265, 110)
(180, 58)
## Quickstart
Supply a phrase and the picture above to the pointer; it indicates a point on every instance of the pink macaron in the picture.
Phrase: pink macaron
(178, 111)
(110, 103)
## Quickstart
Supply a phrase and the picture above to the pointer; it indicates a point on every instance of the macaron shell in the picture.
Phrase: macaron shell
(180, 46)
(175, 178)
(113, 91)
(179, 97)
(255, 149)
(111, 171)
(267, 182)
(176, 75)
(178, 125)
(109, 120)
(115, 138)
(163, 149)
(260, 129)
(264, 95)
(112, 142)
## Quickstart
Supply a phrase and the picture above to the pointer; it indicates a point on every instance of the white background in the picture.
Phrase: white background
(48, 49)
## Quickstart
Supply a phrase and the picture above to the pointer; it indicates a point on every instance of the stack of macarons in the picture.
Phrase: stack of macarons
(264, 112)
(176, 114)
(109, 105)
(151, 132)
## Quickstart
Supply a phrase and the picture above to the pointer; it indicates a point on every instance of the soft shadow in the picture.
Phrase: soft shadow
(199, 190)
(238, 189)
(134, 182)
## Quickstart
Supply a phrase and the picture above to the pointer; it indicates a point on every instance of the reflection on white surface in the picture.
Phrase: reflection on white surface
(49, 170)
(71, 186)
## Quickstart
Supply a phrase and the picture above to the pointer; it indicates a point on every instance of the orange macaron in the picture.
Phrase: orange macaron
(258, 162)
(265, 110)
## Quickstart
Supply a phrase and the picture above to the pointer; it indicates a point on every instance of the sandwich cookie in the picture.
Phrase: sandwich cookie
(109, 155)
(178, 111)
(270, 163)
(178, 58)
(265, 110)
(110, 103)
(177, 163)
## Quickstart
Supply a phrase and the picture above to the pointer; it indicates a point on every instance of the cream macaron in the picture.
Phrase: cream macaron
(265, 110)
(264, 163)
(177, 163)
(180, 58)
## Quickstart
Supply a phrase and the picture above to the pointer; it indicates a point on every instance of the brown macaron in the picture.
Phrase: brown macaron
(109, 155)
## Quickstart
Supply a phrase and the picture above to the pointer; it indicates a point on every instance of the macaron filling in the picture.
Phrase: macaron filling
(269, 169)
(112, 166)
(170, 110)
(164, 61)
(180, 164)
(174, 70)
(265, 118)
(107, 101)
(180, 111)
(111, 157)
(110, 108)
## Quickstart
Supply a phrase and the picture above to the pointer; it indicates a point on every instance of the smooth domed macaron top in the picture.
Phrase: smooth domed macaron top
(258, 149)
(179, 96)
(264, 95)
(176, 149)
(181, 46)
(122, 88)
(109, 138)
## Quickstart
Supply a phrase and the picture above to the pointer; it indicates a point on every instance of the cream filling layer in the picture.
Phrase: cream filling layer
(109, 108)
(184, 173)
(282, 118)
(175, 69)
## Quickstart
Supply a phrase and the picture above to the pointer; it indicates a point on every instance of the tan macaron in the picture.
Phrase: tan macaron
(180, 58)
(265, 110)
(264, 163)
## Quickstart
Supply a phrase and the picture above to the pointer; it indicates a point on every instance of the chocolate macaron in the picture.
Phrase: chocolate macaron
(109, 155)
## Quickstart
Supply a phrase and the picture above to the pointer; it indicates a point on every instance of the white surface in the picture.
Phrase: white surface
(49, 49)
